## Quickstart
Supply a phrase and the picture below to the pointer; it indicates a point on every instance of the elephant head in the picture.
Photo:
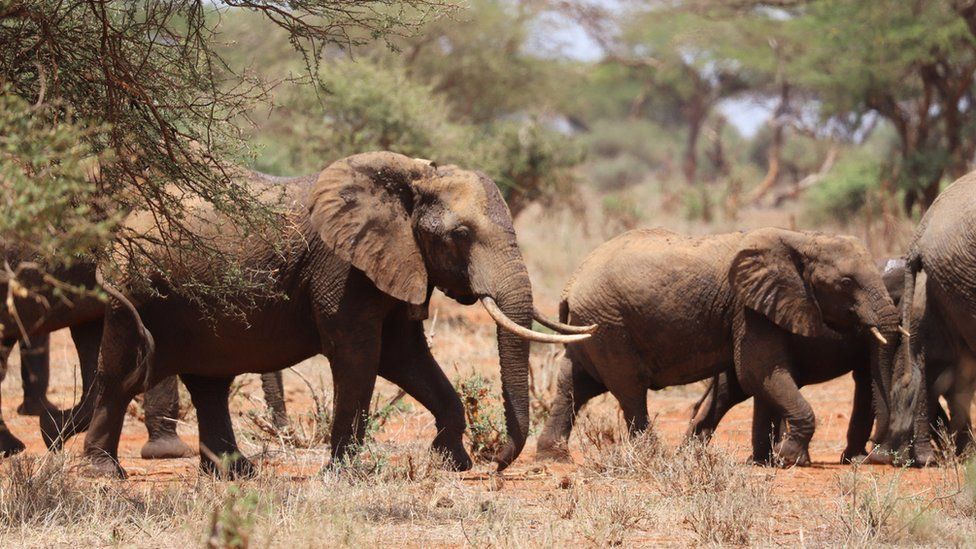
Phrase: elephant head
(411, 226)
(813, 285)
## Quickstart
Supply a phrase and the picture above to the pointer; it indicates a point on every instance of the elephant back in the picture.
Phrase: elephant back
(945, 240)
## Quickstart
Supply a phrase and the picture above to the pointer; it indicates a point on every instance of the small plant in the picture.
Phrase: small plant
(486, 426)
(232, 524)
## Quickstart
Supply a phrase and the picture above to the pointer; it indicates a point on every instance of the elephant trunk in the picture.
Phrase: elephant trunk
(905, 380)
(884, 326)
(513, 293)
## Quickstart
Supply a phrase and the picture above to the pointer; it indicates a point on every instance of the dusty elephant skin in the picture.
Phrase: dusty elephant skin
(362, 245)
(817, 360)
(39, 312)
(675, 309)
(940, 302)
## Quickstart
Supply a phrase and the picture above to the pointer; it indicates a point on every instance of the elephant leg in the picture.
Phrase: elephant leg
(862, 417)
(162, 406)
(574, 388)
(406, 361)
(763, 368)
(219, 454)
(35, 371)
(764, 422)
(722, 395)
(274, 395)
(9, 444)
(119, 379)
(57, 426)
(960, 402)
(355, 365)
(633, 402)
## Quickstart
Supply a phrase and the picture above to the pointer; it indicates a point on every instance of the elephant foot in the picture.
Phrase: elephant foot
(103, 467)
(552, 450)
(853, 456)
(923, 456)
(167, 447)
(456, 458)
(791, 453)
(9, 444)
(234, 467)
(35, 407)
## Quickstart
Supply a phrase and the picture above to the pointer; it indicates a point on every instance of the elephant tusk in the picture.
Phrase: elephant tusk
(508, 324)
(560, 327)
(877, 334)
(904, 332)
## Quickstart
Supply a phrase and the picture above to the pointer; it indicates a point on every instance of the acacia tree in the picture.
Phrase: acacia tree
(910, 63)
(142, 88)
(662, 44)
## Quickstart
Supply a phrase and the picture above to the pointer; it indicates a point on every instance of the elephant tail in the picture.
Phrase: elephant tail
(147, 347)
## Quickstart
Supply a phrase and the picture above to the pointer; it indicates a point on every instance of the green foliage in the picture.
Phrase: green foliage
(162, 103)
(360, 106)
(50, 193)
(485, 418)
(844, 192)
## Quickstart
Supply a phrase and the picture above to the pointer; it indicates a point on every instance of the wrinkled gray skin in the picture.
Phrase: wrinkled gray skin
(816, 360)
(362, 245)
(84, 318)
(674, 309)
(944, 250)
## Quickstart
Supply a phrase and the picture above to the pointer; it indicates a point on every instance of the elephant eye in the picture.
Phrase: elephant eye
(460, 232)
(847, 282)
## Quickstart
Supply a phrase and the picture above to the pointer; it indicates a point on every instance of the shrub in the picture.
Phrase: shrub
(485, 419)
(844, 191)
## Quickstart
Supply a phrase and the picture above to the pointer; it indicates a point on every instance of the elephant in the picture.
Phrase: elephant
(817, 360)
(674, 309)
(31, 315)
(347, 273)
(83, 315)
(940, 291)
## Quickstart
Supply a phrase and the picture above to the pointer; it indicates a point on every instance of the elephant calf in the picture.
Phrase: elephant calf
(674, 309)
(817, 360)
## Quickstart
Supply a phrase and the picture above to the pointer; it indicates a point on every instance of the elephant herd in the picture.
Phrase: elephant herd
(347, 271)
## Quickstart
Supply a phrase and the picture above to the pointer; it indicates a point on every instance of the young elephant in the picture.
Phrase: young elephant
(361, 247)
(816, 360)
(674, 309)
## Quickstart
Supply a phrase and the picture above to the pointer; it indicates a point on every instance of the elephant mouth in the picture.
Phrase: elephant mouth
(462, 298)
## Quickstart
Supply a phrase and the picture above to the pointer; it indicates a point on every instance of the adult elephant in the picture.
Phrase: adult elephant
(347, 274)
(816, 360)
(944, 250)
(674, 309)
(34, 310)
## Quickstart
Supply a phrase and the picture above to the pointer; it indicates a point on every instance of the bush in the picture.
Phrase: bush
(485, 418)
(845, 191)
(617, 172)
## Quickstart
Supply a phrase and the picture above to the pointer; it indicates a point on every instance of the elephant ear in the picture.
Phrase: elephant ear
(767, 279)
(361, 207)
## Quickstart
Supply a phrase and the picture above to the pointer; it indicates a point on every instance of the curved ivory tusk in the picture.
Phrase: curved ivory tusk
(877, 334)
(904, 332)
(560, 327)
(508, 324)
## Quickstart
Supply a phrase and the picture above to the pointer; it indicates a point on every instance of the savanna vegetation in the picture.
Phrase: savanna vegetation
(593, 117)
